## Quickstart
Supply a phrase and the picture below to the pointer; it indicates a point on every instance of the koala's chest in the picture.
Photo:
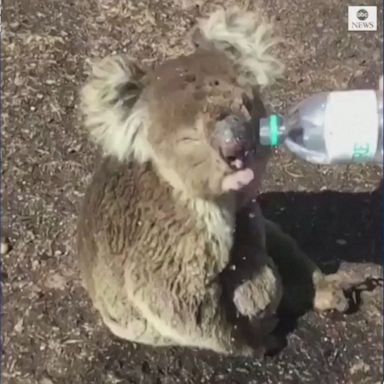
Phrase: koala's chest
(216, 226)
(185, 248)
(150, 232)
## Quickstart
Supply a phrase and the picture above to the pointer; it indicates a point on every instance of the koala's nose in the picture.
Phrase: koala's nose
(232, 140)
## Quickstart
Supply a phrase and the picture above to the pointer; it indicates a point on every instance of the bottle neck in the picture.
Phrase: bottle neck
(272, 131)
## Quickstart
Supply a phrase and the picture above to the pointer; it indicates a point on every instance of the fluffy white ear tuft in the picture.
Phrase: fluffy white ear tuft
(110, 103)
(247, 40)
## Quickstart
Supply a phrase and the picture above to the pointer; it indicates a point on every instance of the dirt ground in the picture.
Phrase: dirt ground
(50, 333)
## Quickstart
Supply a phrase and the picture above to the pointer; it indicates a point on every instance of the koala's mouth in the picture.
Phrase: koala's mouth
(236, 163)
(235, 156)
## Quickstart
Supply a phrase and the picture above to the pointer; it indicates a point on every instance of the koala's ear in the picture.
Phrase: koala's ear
(246, 39)
(109, 99)
(115, 78)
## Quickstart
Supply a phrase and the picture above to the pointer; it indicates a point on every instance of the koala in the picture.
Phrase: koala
(173, 247)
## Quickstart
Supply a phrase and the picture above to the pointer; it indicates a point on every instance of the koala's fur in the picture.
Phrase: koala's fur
(166, 257)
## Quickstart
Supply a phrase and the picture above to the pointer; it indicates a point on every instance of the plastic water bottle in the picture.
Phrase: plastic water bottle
(331, 128)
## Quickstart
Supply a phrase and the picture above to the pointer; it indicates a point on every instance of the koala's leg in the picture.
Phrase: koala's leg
(130, 325)
(118, 314)
(193, 316)
(305, 286)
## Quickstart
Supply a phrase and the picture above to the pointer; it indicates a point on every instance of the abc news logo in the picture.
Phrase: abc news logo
(362, 18)
(362, 14)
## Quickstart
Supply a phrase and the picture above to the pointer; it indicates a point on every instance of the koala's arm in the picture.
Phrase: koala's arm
(298, 272)
(285, 251)
(252, 280)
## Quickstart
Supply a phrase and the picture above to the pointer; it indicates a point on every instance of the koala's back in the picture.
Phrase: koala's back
(130, 220)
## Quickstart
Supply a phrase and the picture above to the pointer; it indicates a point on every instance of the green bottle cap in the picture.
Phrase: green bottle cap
(273, 122)
(270, 130)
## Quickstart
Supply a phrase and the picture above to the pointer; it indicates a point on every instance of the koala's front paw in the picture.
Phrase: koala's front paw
(237, 180)
(260, 296)
(330, 292)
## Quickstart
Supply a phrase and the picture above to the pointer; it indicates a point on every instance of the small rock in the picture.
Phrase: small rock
(359, 367)
(45, 380)
(19, 326)
(145, 368)
(18, 80)
(50, 82)
(14, 26)
(100, 19)
(56, 281)
(76, 148)
(4, 247)
(242, 370)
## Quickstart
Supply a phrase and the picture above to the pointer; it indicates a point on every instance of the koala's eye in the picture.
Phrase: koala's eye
(222, 115)
(190, 77)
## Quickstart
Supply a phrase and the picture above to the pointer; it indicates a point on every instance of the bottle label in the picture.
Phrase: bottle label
(351, 125)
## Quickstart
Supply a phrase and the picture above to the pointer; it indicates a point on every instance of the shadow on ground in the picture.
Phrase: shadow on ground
(332, 228)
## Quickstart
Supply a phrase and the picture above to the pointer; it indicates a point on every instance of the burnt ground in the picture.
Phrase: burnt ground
(51, 335)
